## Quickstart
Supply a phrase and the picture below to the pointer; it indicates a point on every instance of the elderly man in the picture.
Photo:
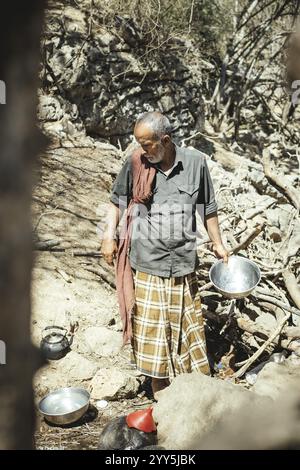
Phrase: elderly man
(166, 184)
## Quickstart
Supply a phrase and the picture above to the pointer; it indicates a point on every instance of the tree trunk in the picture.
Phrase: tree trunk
(20, 140)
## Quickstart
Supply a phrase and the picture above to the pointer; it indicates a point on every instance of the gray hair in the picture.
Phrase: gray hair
(158, 123)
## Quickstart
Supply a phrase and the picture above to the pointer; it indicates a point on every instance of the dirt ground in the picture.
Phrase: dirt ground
(90, 302)
(72, 186)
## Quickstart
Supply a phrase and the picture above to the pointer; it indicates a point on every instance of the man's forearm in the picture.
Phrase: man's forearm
(112, 221)
(213, 229)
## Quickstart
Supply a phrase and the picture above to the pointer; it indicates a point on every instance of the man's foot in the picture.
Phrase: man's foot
(158, 385)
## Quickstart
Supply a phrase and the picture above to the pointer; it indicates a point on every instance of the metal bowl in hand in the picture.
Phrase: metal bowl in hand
(235, 279)
(65, 406)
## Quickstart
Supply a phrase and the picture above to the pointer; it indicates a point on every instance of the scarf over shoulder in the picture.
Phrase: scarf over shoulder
(143, 175)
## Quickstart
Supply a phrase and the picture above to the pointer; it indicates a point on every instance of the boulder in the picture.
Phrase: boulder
(274, 378)
(75, 367)
(269, 426)
(113, 384)
(102, 341)
(69, 371)
(193, 404)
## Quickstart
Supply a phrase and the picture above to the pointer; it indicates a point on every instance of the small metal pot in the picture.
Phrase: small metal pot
(235, 279)
(65, 406)
(56, 344)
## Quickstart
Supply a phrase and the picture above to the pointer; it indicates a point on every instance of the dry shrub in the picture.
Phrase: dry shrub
(206, 22)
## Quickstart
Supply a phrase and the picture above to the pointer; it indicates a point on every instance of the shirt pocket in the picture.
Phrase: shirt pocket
(188, 193)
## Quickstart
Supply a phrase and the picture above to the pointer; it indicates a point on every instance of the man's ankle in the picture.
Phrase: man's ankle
(158, 385)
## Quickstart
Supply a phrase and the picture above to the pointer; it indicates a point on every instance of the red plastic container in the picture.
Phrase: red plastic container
(142, 420)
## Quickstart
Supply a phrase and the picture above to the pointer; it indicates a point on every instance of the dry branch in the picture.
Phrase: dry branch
(256, 355)
(291, 332)
(92, 254)
(248, 239)
(206, 286)
(105, 275)
(292, 286)
(278, 180)
(268, 298)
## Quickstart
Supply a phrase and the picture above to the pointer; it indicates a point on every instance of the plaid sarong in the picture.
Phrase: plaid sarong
(167, 325)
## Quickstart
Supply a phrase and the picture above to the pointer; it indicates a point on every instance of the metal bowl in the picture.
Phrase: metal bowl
(235, 279)
(65, 406)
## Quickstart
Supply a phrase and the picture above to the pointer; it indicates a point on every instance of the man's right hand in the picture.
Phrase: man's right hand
(109, 249)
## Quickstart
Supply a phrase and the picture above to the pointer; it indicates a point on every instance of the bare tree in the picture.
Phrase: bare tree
(20, 140)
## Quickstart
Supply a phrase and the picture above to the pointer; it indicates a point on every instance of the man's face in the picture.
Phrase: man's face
(152, 146)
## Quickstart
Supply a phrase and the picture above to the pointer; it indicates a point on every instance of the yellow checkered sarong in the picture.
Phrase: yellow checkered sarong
(167, 325)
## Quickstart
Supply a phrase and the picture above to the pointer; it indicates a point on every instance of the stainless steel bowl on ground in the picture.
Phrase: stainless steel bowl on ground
(235, 279)
(64, 406)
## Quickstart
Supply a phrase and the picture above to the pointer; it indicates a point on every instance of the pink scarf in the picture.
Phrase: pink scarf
(143, 176)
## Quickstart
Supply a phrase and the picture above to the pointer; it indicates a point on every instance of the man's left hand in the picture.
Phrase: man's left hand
(221, 252)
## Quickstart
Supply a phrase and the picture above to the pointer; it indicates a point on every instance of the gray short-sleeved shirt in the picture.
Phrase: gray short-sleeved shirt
(164, 231)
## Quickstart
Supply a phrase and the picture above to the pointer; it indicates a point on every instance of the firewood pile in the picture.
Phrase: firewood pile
(259, 218)
(252, 135)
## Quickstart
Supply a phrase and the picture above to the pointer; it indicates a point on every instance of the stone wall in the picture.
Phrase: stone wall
(98, 80)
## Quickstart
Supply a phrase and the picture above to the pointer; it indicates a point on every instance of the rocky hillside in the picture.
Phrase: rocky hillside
(95, 81)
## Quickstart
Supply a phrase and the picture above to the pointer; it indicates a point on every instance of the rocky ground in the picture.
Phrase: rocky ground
(71, 283)
(68, 201)
(95, 81)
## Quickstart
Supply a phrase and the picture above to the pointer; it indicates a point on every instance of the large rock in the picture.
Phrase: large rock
(70, 371)
(262, 426)
(75, 367)
(103, 342)
(274, 424)
(193, 404)
(113, 384)
(275, 378)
